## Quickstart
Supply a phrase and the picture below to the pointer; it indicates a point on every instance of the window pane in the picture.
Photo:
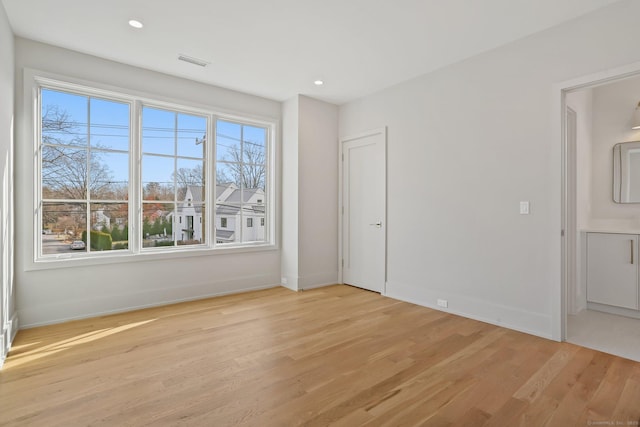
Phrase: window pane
(158, 131)
(253, 176)
(64, 172)
(157, 178)
(62, 224)
(228, 173)
(254, 143)
(190, 226)
(227, 219)
(241, 174)
(192, 132)
(254, 231)
(109, 226)
(109, 175)
(157, 225)
(228, 137)
(64, 118)
(109, 124)
(190, 174)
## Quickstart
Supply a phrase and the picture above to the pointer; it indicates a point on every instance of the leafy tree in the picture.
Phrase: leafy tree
(146, 227)
(116, 235)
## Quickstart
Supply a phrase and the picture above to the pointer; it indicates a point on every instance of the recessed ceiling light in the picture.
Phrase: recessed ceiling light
(318, 82)
(135, 23)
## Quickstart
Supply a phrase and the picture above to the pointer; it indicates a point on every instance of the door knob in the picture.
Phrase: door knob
(377, 224)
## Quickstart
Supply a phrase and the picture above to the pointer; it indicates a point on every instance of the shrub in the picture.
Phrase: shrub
(121, 245)
(99, 241)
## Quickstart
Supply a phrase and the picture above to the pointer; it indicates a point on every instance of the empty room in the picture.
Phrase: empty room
(294, 212)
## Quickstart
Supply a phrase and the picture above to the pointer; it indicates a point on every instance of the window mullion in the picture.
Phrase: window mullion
(211, 182)
(88, 177)
(241, 169)
(135, 177)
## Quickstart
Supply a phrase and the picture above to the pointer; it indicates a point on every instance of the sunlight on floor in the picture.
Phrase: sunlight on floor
(18, 357)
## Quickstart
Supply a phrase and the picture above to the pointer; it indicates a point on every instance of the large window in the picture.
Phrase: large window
(241, 170)
(84, 173)
(109, 163)
(174, 159)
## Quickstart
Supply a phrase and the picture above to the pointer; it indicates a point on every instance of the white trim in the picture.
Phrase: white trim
(317, 286)
(161, 297)
(341, 142)
(318, 280)
(474, 308)
(559, 91)
(290, 282)
(7, 335)
(34, 79)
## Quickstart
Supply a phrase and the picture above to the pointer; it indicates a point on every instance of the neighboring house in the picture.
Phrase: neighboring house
(235, 208)
(100, 219)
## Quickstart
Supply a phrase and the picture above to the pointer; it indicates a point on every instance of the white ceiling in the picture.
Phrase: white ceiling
(277, 48)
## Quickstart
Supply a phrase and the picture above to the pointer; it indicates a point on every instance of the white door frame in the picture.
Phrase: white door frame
(559, 301)
(383, 131)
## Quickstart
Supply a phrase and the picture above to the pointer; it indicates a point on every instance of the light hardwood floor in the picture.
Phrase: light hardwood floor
(332, 356)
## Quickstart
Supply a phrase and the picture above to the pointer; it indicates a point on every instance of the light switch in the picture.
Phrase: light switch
(524, 208)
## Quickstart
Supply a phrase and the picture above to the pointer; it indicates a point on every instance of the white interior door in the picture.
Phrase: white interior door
(364, 206)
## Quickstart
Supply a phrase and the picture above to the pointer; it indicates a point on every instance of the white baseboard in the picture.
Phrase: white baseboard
(319, 285)
(290, 282)
(474, 308)
(33, 317)
(3, 350)
(620, 311)
(318, 280)
(7, 335)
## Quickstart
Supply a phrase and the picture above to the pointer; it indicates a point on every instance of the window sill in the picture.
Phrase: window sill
(129, 257)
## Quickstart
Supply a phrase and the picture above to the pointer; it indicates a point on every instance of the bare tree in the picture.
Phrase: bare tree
(246, 166)
(68, 170)
(190, 176)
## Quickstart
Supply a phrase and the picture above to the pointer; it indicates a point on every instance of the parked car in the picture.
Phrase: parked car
(77, 245)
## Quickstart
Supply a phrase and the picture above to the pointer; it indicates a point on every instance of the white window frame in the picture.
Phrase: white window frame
(35, 80)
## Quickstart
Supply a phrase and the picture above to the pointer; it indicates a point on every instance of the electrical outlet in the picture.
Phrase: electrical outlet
(443, 303)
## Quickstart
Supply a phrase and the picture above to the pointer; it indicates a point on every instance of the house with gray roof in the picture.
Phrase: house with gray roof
(240, 214)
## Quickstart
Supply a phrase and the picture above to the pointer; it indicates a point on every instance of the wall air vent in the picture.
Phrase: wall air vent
(192, 60)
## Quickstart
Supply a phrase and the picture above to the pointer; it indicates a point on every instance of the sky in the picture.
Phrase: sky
(165, 134)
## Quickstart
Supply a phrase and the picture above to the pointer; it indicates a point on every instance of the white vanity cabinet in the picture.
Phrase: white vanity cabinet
(612, 269)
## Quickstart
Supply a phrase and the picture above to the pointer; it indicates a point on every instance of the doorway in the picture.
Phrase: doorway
(596, 114)
(363, 207)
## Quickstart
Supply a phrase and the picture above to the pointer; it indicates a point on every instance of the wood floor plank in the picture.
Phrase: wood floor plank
(337, 356)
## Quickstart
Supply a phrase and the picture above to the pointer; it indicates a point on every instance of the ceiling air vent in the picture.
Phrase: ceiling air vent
(192, 60)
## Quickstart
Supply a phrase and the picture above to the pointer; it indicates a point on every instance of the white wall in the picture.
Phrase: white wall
(318, 193)
(613, 106)
(309, 191)
(290, 232)
(8, 320)
(467, 143)
(52, 295)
